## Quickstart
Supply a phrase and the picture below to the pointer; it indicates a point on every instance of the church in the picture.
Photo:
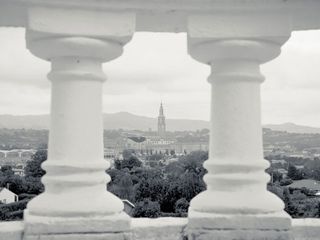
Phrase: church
(162, 141)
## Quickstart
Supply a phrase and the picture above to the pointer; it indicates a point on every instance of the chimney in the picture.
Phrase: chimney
(8, 186)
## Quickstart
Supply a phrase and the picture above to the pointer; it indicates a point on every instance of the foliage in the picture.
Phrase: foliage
(12, 211)
(33, 168)
(26, 187)
(129, 161)
(165, 185)
(147, 208)
(181, 206)
(6, 171)
(299, 205)
(22, 138)
(289, 206)
(285, 182)
(294, 173)
(122, 186)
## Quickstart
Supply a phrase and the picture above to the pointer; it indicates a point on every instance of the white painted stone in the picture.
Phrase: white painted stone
(239, 25)
(277, 221)
(39, 225)
(75, 200)
(306, 229)
(81, 22)
(236, 204)
(159, 228)
(11, 230)
(168, 15)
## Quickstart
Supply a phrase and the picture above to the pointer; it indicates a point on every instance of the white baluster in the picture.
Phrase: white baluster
(236, 204)
(75, 204)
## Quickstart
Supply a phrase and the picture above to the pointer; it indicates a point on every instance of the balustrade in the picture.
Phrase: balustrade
(233, 37)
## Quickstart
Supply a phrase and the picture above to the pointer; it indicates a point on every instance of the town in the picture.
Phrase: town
(157, 173)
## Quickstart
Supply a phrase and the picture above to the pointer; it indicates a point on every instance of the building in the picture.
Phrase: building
(6, 196)
(161, 122)
(309, 184)
(128, 207)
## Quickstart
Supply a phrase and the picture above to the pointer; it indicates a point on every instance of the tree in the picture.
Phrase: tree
(129, 161)
(152, 188)
(147, 208)
(6, 171)
(127, 153)
(17, 184)
(172, 152)
(318, 210)
(276, 176)
(122, 186)
(290, 208)
(34, 172)
(294, 173)
(33, 168)
(181, 206)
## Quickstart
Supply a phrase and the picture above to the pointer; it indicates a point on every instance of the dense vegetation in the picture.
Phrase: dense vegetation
(164, 190)
(299, 141)
(299, 202)
(22, 139)
(157, 191)
(25, 187)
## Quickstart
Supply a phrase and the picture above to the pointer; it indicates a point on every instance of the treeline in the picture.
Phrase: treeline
(310, 168)
(23, 139)
(299, 141)
(25, 187)
(299, 202)
(164, 190)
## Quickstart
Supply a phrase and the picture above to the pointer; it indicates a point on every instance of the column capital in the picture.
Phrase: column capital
(55, 32)
(249, 36)
(49, 46)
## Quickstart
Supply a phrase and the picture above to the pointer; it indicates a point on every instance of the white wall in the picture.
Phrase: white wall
(7, 196)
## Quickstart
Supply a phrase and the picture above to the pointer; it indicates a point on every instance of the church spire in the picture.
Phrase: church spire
(161, 110)
(161, 122)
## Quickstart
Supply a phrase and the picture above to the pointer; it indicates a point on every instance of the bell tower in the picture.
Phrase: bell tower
(161, 122)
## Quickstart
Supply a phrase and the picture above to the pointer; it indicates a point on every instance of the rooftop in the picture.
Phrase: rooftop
(306, 183)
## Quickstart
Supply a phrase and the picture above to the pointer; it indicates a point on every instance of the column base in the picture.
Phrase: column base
(113, 227)
(209, 226)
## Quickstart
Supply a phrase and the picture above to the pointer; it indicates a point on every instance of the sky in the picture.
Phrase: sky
(155, 67)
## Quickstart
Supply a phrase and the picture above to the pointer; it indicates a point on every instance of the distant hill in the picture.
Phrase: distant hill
(292, 128)
(122, 120)
(24, 121)
(131, 121)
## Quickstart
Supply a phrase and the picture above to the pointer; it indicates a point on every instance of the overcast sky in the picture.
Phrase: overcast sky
(156, 67)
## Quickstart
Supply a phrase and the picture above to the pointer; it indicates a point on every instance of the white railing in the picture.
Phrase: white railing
(234, 37)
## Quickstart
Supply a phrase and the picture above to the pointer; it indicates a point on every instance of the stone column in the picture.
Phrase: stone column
(76, 204)
(236, 204)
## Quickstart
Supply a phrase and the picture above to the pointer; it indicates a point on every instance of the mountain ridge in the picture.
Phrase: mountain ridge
(130, 121)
